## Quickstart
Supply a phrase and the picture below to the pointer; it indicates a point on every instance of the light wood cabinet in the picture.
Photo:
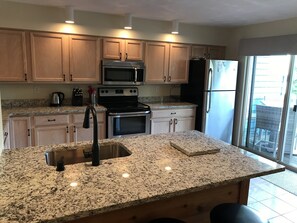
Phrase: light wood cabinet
(20, 132)
(167, 63)
(172, 120)
(13, 56)
(84, 59)
(50, 61)
(64, 58)
(51, 129)
(122, 49)
(82, 134)
(208, 52)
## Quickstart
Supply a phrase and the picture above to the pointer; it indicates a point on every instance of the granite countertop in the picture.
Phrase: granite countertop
(32, 192)
(29, 111)
(170, 105)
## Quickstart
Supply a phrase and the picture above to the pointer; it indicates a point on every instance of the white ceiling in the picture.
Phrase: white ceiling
(226, 13)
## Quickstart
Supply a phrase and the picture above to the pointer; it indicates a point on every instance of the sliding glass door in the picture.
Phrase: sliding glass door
(267, 91)
(288, 152)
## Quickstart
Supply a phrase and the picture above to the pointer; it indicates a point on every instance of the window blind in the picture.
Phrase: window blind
(275, 45)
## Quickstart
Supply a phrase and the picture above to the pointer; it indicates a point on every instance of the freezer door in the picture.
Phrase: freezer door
(220, 75)
(218, 114)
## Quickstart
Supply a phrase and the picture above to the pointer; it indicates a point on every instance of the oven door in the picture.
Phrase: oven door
(128, 123)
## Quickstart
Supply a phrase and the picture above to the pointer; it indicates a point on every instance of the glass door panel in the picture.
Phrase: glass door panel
(289, 152)
(268, 86)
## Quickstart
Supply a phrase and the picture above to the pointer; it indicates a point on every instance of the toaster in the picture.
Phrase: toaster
(77, 97)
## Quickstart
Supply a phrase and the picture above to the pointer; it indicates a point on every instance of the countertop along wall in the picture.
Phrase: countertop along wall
(32, 17)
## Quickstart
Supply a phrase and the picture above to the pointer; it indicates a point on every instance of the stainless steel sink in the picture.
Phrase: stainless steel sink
(75, 154)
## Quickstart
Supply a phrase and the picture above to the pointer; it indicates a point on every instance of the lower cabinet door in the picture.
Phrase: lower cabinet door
(161, 125)
(184, 124)
(51, 135)
(20, 132)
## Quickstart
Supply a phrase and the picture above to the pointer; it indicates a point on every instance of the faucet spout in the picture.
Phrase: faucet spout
(86, 124)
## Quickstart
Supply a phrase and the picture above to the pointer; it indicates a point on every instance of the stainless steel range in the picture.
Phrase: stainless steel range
(125, 115)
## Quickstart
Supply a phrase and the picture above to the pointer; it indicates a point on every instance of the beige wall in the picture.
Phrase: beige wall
(24, 16)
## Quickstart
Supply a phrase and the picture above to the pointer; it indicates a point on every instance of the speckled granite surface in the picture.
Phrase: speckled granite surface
(169, 105)
(32, 192)
(28, 111)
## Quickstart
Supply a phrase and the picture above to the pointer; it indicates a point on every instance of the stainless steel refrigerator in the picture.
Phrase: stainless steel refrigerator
(212, 86)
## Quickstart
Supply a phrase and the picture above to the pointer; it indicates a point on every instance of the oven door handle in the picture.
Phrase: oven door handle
(129, 113)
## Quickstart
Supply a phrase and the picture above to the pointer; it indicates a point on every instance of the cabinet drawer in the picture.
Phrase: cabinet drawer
(173, 113)
(79, 118)
(51, 120)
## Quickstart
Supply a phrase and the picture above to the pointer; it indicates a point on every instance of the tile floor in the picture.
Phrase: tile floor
(278, 205)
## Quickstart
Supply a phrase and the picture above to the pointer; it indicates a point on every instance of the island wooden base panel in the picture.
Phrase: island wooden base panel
(192, 207)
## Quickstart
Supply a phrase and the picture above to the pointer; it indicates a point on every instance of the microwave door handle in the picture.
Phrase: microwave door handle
(135, 80)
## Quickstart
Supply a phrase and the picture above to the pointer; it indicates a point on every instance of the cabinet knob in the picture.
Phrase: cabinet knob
(70, 77)
(25, 77)
(29, 132)
(64, 77)
(126, 56)
(169, 78)
(164, 78)
(67, 129)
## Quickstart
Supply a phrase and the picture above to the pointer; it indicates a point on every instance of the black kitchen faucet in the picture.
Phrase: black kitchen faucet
(86, 124)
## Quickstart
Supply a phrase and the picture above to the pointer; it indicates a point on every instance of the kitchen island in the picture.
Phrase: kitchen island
(156, 180)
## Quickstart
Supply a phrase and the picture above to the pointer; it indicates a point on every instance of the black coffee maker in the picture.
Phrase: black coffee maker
(77, 97)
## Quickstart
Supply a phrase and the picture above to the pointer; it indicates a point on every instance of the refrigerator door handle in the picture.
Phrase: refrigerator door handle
(208, 101)
(209, 87)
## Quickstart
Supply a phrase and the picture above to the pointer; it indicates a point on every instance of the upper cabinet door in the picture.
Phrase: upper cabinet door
(199, 51)
(13, 57)
(84, 59)
(179, 63)
(156, 61)
(112, 49)
(133, 50)
(50, 57)
(216, 52)
(121, 49)
(208, 52)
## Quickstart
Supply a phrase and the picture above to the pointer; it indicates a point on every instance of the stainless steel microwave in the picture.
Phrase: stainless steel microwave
(122, 72)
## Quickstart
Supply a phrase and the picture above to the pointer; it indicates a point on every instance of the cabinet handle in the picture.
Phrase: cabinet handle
(170, 122)
(173, 113)
(51, 120)
(164, 78)
(29, 132)
(67, 130)
(70, 77)
(126, 56)
(120, 56)
(25, 77)
(175, 121)
(64, 77)
(169, 78)
(74, 129)
(5, 137)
